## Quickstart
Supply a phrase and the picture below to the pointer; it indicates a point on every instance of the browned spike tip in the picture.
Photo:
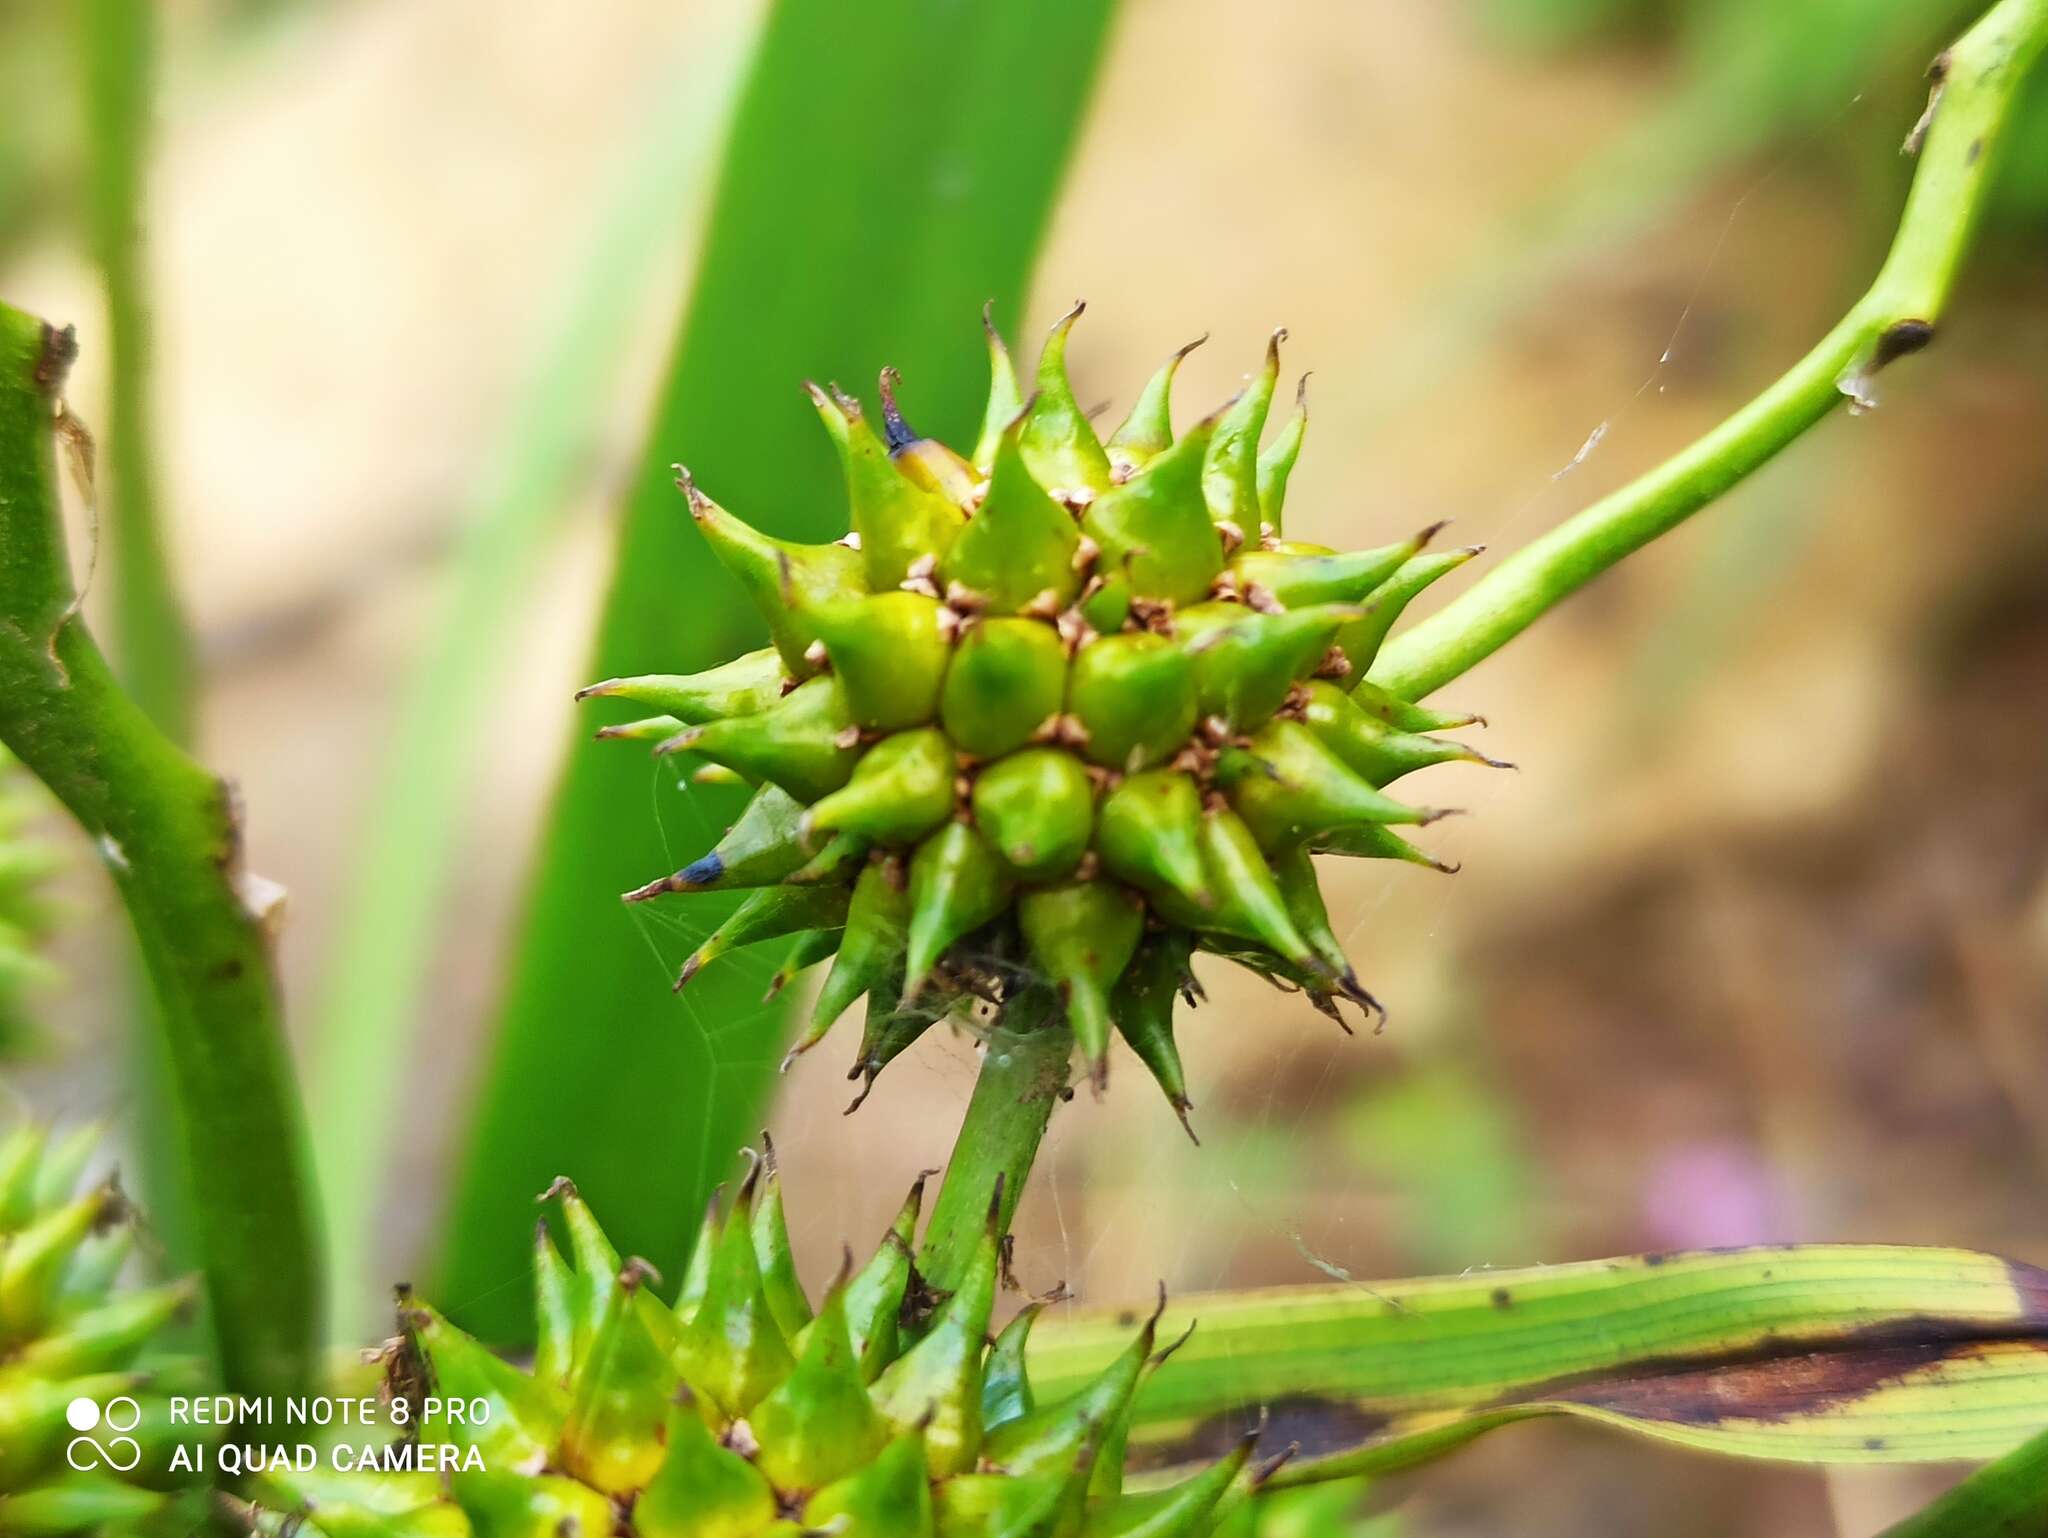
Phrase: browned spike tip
(768, 1154)
(1301, 394)
(687, 485)
(916, 1196)
(1071, 316)
(988, 319)
(1273, 344)
(896, 432)
(654, 888)
(743, 1199)
(1185, 348)
(593, 691)
(692, 965)
(1432, 814)
(1430, 531)
(1160, 1356)
(682, 742)
(636, 1271)
(847, 404)
(1183, 1109)
(561, 1186)
(1265, 1471)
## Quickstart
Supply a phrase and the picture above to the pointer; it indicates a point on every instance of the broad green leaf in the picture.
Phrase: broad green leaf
(1815, 1354)
(2006, 1499)
(890, 167)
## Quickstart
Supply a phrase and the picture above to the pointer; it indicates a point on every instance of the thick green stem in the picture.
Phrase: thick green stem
(1977, 85)
(169, 833)
(1023, 1076)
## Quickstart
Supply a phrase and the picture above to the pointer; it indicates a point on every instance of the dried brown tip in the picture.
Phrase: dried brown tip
(561, 1186)
(768, 1154)
(1424, 535)
(1273, 1465)
(1301, 395)
(743, 1199)
(1159, 1357)
(1181, 352)
(1432, 814)
(1066, 321)
(692, 964)
(682, 742)
(916, 1195)
(654, 888)
(687, 485)
(896, 432)
(593, 691)
(636, 1271)
(1273, 346)
(1182, 1108)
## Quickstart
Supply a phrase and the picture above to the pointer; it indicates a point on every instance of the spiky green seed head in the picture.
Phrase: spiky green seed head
(1055, 706)
(740, 1406)
(73, 1339)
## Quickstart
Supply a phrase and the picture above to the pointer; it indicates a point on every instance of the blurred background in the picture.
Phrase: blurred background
(1753, 945)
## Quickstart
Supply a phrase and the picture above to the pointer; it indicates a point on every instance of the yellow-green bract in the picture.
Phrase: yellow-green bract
(743, 1409)
(70, 1335)
(1060, 707)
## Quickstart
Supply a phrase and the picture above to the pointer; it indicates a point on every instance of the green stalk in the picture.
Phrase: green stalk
(2006, 1499)
(117, 41)
(1978, 84)
(170, 835)
(1023, 1076)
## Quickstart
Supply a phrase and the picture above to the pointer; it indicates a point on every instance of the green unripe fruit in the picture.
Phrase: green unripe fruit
(1008, 678)
(890, 654)
(1051, 674)
(1134, 697)
(901, 790)
(1037, 809)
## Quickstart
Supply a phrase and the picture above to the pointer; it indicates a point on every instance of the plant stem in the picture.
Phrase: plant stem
(1977, 84)
(169, 833)
(1023, 1076)
(117, 40)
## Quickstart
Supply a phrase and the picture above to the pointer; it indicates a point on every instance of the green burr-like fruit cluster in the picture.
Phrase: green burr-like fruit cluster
(1061, 707)
(743, 1409)
(68, 1332)
(26, 865)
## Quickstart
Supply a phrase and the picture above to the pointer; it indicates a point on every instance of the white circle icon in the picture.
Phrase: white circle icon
(82, 1413)
(119, 1453)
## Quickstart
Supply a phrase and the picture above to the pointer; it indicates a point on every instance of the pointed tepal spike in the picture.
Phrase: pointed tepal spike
(1230, 478)
(596, 1262)
(802, 743)
(1403, 715)
(522, 1425)
(1144, 1005)
(1376, 752)
(1248, 899)
(901, 790)
(555, 1311)
(1288, 787)
(1276, 461)
(956, 885)
(1058, 441)
(937, 1383)
(104, 1338)
(1183, 1510)
(1083, 935)
(1154, 534)
(697, 1272)
(1063, 1436)
(1150, 834)
(731, 1348)
(890, 1498)
(890, 1030)
(746, 686)
(33, 1263)
(773, 1252)
(870, 952)
(890, 652)
(819, 1424)
(1294, 580)
(874, 1298)
(926, 461)
(1245, 661)
(703, 1487)
(1018, 549)
(1005, 400)
(1362, 638)
(769, 913)
(780, 577)
(1148, 430)
(1295, 873)
(1377, 841)
(1005, 1378)
(899, 522)
(1133, 696)
(1008, 678)
(658, 729)
(615, 1436)
(809, 948)
(762, 848)
(1037, 809)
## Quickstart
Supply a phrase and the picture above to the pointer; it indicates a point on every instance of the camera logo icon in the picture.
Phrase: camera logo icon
(102, 1442)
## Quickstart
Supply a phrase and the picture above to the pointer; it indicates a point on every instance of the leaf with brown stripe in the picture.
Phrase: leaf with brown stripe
(1804, 1353)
